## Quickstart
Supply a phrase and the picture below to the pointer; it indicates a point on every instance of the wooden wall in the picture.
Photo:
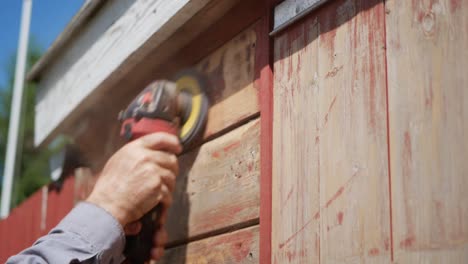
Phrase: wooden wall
(368, 125)
(215, 214)
(369, 134)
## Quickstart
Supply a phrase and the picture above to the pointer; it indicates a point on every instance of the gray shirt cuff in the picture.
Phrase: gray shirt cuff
(88, 234)
(100, 229)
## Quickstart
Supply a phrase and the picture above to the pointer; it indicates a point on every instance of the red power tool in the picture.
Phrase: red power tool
(179, 108)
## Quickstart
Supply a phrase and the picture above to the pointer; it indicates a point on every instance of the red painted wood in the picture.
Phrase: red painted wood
(264, 80)
(23, 226)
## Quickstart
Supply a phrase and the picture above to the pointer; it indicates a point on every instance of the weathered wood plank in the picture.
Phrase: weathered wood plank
(354, 183)
(295, 178)
(230, 72)
(218, 186)
(330, 147)
(237, 247)
(428, 97)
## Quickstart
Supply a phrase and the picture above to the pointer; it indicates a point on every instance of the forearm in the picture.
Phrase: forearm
(88, 234)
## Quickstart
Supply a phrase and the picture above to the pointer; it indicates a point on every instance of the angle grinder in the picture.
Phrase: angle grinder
(177, 107)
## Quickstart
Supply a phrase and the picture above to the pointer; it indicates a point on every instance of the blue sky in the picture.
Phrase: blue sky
(49, 18)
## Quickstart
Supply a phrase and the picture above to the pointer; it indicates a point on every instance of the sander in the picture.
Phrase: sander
(177, 107)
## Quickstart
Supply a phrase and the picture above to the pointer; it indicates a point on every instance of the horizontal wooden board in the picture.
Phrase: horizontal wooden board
(330, 169)
(428, 97)
(236, 247)
(218, 185)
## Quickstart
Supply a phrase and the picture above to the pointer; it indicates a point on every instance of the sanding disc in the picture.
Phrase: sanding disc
(193, 86)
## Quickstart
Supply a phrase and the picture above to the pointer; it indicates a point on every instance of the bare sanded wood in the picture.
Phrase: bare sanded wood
(295, 178)
(237, 247)
(230, 72)
(218, 185)
(330, 163)
(428, 98)
(353, 159)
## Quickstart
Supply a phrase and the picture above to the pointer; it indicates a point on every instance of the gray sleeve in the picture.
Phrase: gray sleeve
(88, 234)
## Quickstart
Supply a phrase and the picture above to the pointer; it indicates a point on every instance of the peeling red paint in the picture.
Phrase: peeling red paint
(339, 217)
(215, 154)
(231, 146)
(328, 41)
(250, 167)
(334, 197)
(455, 5)
(329, 111)
(240, 250)
(407, 243)
(317, 215)
(374, 252)
(281, 245)
(290, 256)
(333, 72)
(387, 244)
(289, 194)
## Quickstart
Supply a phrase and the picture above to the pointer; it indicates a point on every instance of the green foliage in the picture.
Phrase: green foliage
(33, 169)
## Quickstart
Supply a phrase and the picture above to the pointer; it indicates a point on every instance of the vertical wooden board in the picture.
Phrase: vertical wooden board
(330, 158)
(428, 97)
(218, 186)
(352, 133)
(236, 247)
(295, 176)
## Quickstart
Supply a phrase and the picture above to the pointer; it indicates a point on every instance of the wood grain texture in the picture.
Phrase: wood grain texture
(428, 98)
(295, 178)
(230, 73)
(236, 247)
(330, 170)
(218, 186)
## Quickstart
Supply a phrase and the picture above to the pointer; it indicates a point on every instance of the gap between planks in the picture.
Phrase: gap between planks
(213, 233)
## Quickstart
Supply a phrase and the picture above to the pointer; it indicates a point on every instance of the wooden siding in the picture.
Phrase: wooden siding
(330, 172)
(217, 187)
(428, 113)
(370, 143)
(233, 247)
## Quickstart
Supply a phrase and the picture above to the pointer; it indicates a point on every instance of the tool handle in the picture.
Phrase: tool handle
(138, 247)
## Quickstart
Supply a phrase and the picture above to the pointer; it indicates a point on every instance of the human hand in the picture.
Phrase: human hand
(137, 177)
